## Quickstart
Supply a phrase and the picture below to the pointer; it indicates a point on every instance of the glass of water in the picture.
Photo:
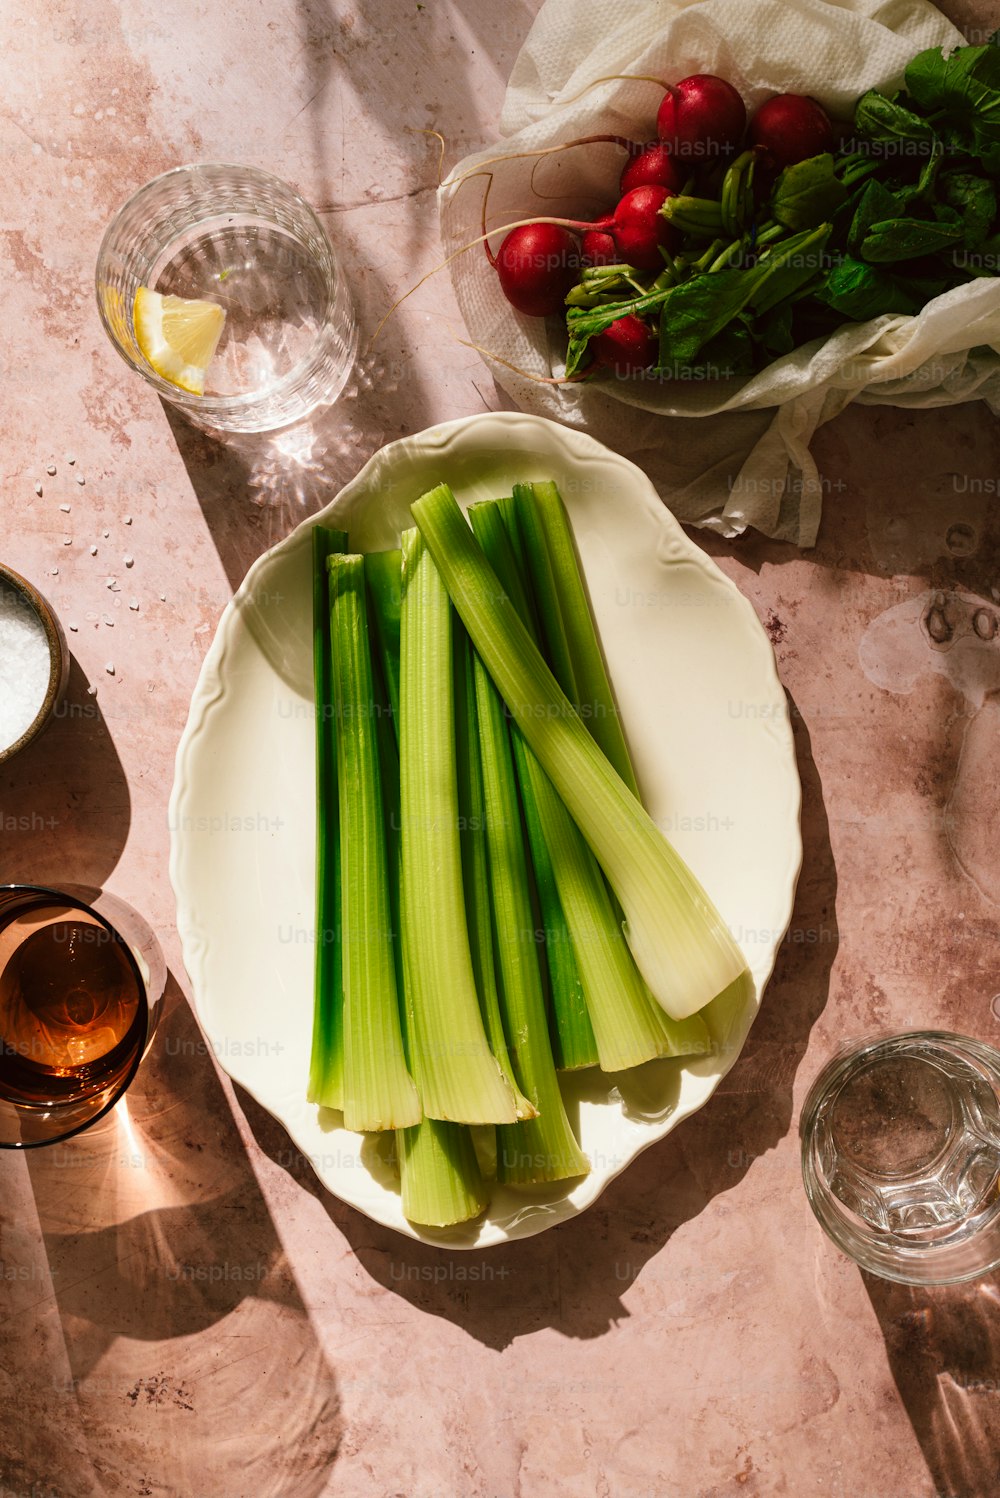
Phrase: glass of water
(247, 241)
(901, 1155)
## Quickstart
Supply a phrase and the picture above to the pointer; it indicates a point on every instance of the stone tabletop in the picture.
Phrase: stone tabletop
(184, 1312)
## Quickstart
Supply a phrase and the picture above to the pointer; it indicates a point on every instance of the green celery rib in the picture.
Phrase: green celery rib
(543, 582)
(679, 941)
(378, 1090)
(457, 1076)
(326, 1059)
(627, 1025)
(542, 1148)
(594, 700)
(475, 865)
(383, 575)
(572, 1034)
(440, 1180)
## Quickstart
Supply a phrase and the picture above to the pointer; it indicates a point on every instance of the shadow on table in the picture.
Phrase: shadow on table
(943, 1345)
(255, 488)
(573, 1279)
(66, 806)
(906, 493)
(181, 1322)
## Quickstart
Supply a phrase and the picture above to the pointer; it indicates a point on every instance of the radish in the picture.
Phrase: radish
(537, 265)
(598, 248)
(791, 128)
(539, 259)
(652, 167)
(639, 229)
(627, 345)
(700, 117)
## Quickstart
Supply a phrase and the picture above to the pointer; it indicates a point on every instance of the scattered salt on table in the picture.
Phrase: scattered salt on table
(24, 665)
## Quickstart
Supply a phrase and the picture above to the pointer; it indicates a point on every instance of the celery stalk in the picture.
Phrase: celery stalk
(475, 864)
(378, 1090)
(678, 939)
(383, 576)
(542, 1148)
(543, 582)
(594, 699)
(326, 1060)
(457, 1076)
(440, 1179)
(572, 1034)
(627, 1025)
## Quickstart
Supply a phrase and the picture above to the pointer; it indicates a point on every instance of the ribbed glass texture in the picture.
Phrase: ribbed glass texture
(246, 240)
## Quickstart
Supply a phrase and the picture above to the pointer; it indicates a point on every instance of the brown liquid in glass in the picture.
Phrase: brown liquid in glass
(70, 1016)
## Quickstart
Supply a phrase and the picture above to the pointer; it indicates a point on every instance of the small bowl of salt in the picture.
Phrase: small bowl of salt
(34, 663)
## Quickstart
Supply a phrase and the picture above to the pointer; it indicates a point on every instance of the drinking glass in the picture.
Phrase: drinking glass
(81, 983)
(901, 1155)
(247, 241)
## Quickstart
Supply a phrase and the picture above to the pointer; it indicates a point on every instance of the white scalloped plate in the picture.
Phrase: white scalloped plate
(706, 718)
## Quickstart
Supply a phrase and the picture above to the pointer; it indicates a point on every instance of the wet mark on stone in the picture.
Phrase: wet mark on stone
(961, 540)
(955, 635)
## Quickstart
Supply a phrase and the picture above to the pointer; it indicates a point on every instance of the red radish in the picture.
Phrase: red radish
(539, 260)
(639, 229)
(653, 167)
(701, 117)
(627, 345)
(791, 128)
(598, 248)
(537, 265)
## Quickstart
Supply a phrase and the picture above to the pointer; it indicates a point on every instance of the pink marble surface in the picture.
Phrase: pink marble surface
(183, 1311)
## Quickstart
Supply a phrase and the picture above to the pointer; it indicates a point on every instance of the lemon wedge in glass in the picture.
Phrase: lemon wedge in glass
(177, 336)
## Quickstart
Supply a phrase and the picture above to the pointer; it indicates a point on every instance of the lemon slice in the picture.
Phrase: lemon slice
(177, 336)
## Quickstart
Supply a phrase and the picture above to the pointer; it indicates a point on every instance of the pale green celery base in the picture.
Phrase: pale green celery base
(379, 1093)
(457, 1076)
(439, 1174)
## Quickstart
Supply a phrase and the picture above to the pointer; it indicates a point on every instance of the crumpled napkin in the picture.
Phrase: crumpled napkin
(723, 455)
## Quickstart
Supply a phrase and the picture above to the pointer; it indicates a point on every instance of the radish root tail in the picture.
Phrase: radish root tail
(524, 373)
(415, 130)
(584, 140)
(615, 78)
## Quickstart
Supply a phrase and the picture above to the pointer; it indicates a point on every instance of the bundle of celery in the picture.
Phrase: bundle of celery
(493, 903)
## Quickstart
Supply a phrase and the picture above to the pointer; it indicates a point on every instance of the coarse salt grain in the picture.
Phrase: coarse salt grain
(65, 509)
(24, 665)
(50, 470)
